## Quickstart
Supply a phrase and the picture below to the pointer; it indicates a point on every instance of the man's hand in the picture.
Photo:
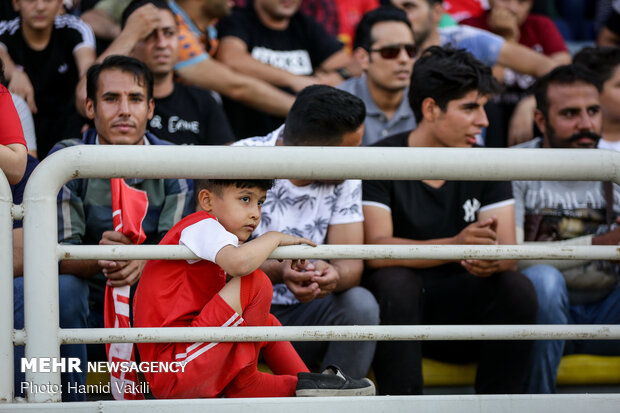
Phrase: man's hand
(611, 238)
(478, 233)
(142, 22)
(482, 268)
(20, 85)
(120, 273)
(504, 22)
(327, 278)
(299, 277)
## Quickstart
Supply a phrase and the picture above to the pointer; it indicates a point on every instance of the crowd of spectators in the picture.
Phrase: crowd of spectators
(399, 73)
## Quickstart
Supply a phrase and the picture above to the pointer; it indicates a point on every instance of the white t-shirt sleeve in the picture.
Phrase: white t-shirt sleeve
(206, 238)
(347, 208)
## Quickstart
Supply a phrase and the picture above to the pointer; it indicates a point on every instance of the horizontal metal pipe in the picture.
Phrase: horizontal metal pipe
(340, 333)
(178, 252)
(84, 161)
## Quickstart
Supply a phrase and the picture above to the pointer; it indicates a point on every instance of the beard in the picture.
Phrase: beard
(572, 141)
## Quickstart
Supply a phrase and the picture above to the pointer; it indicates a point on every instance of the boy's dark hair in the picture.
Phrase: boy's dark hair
(321, 115)
(602, 61)
(363, 37)
(216, 185)
(136, 4)
(562, 75)
(140, 72)
(446, 74)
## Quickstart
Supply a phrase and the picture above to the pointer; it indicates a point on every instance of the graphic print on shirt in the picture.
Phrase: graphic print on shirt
(471, 206)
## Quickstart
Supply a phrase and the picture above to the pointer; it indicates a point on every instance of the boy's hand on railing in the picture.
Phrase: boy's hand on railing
(286, 239)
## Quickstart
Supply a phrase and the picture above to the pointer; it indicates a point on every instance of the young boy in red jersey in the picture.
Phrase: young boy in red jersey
(224, 288)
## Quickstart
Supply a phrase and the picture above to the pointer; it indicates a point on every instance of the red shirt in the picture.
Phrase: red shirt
(10, 125)
(537, 32)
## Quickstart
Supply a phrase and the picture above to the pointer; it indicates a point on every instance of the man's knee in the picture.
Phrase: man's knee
(358, 306)
(73, 297)
(518, 297)
(398, 291)
(551, 292)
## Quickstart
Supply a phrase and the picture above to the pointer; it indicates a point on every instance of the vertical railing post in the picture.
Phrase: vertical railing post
(6, 291)
(41, 313)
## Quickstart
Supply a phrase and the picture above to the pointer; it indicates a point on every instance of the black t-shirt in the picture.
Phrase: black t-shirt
(190, 116)
(298, 49)
(54, 76)
(422, 212)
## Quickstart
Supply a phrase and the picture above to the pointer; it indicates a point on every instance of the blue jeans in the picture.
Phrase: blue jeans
(73, 314)
(355, 306)
(554, 308)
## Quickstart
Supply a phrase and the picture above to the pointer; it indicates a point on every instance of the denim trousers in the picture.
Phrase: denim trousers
(73, 298)
(554, 308)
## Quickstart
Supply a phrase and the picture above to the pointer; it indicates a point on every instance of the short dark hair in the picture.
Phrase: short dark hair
(600, 60)
(363, 36)
(321, 115)
(217, 185)
(562, 75)
(136, 4)
(141, 73)
(446, 74)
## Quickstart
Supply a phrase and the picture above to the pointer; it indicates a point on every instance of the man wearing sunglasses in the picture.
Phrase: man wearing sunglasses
(385, 49)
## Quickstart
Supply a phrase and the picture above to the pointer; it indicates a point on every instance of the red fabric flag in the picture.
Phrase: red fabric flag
(129, 207)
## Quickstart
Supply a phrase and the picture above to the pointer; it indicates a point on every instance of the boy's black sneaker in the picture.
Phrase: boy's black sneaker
(332, 383)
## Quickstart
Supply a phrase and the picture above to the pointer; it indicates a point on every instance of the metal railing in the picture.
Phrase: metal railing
(43, 336)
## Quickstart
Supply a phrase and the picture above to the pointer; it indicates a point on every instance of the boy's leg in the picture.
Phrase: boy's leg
(280, 356)
(255, 293)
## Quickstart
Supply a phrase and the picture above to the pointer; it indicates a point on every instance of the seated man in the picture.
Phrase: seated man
(120, 102)
(448, 91)
(326, 212)
(605, 62)
(45, 55)
(195, 66)
(385, 50)
(512, 20)
(487, 47)
(276, 43)
(183, 114)
(573, 213)
(224, 288)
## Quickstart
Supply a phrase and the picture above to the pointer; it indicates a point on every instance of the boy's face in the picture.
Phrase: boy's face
(37, 14)
(461, 122)
(237, 209)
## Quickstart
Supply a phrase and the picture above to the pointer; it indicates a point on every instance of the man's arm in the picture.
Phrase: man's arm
(18, 252)
(13, 159)
(233, 52)
(84, 58)
(525, 60)
(102, 24)
(349, 271)
(214, 75)
(378, 229)
(19, 82)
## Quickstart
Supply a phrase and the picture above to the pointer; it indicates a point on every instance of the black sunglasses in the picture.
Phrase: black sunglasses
(393, 50)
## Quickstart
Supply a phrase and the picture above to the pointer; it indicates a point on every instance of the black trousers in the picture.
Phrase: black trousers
(414, 297)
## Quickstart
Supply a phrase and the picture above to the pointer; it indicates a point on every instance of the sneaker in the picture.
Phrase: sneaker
(332, 382)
